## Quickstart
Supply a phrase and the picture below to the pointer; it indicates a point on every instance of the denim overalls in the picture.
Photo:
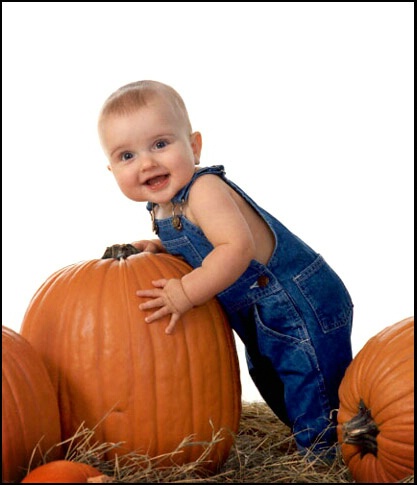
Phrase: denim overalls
(294, 316)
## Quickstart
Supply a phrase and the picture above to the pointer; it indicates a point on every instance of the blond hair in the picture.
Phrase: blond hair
(135, 95)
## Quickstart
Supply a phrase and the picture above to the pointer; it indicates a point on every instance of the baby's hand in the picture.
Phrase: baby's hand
(153, 246)
(169, 297)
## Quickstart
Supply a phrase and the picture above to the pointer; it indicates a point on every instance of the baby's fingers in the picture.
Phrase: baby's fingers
(162, 312)
(172, 323)
(151, 304)
(153, 293)
(160, 284)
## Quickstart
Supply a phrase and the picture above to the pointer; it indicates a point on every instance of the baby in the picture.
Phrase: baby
(291, 310)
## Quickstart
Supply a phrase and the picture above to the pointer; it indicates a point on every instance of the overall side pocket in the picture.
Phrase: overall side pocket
(326, 294)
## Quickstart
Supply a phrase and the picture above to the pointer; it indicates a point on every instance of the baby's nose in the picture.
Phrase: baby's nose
(147, 161)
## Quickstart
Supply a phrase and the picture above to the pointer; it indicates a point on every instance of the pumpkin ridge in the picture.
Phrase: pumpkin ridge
(69, 386)
(99, 351)
(134, 347)
(387, 388)
(20, 371)
(388, 370)
(393, 467)
(150, 349)
(223, 364)
(126, 271)
(216, 422)
(195, 419)
(369, 467)
(235, 384)
(157, 269)
(109, 282)
(387, 449)
(30, 415)
(198, 389)
(157, 327)
(396, 330)
(39, 411)
(388, 412)
(377, 344)
(99, 333)
(12, 378)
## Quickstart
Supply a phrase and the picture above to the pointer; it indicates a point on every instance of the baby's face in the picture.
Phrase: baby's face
(151, 153)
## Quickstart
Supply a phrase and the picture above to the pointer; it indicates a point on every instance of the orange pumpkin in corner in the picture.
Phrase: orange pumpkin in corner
(133, 383)
(62, 471)
(30, 414)
(376, 414)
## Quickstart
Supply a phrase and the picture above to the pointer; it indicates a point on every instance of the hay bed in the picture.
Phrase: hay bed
(264, 452)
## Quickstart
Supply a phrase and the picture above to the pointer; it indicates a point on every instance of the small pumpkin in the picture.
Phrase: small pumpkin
(61, 471)
(30, 415)
(376, 414)
(126, 378)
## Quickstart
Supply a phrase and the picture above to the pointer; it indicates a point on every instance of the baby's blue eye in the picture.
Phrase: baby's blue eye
(126, 155)
(160, 144)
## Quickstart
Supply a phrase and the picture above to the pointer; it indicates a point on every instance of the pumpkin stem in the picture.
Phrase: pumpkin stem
(119, 251)
(361, 430)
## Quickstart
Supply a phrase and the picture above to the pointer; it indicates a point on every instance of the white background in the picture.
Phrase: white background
(308, 105)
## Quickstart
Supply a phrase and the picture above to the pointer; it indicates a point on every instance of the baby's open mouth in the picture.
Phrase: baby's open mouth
(157, 181)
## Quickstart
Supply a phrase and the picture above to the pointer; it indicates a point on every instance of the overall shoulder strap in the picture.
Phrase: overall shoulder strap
(182, 195)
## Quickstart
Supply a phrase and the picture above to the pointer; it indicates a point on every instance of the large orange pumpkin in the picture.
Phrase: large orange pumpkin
(63, 471)
(135, 384)
(30, 415)
(376, 414)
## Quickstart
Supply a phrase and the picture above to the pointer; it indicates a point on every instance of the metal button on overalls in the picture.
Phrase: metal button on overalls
(263, 281)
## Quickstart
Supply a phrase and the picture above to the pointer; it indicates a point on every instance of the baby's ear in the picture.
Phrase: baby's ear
(196, 144)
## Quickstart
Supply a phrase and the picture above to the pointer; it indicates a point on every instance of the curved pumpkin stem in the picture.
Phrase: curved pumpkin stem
(119, 251)
(361, 430)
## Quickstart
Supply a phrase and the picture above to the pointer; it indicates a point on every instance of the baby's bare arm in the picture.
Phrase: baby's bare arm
(211, 207)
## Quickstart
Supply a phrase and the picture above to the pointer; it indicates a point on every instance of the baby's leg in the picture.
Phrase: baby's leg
(309, 371)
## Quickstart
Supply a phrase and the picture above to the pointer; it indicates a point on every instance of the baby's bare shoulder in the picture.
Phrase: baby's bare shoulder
(210, 183)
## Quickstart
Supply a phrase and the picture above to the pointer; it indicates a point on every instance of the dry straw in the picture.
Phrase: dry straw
(264, 452)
